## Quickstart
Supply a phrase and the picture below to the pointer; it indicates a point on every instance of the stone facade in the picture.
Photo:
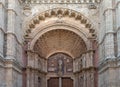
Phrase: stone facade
(33, 30)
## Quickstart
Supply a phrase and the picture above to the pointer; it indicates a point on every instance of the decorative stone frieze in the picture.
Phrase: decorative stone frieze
(56, 12)
(61, 1)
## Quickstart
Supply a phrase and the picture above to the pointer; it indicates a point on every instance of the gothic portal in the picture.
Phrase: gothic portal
(59, 43)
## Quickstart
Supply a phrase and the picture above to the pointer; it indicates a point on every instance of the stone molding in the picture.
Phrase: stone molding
(2, 61)
(13, 34)
(117, 4)
(106, 64)
(6, 33)
(1, 29)
(12, 10)
(108, 9)
(3, 5)
(113, 8)
(105, 37)
(88, 51)
(56, 26)
(10, 63)
(61, 1)
(56, 12)
(89, 69)
(118, 29)
(36, 53)
(35, 69)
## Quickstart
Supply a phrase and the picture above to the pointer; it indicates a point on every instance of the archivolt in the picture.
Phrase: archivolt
(63, 12)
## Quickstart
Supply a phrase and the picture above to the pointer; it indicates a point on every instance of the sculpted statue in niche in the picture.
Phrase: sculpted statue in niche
(60, 67)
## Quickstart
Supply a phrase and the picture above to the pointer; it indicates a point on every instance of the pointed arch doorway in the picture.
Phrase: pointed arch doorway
(60, 70)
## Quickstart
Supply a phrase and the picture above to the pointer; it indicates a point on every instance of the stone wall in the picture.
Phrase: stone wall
(11, 40)
(35, 70)
(2, 76)
(14, 17)
(85, 70)
(108, 44)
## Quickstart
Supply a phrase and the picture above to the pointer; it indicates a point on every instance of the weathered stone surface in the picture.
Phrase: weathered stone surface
(33, 30)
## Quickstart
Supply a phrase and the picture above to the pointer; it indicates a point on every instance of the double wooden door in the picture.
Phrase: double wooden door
(66, 82)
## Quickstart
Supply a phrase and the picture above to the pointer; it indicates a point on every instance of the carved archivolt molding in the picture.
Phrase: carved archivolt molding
(60, 13)
(65, 19)
(60, 41)
(61, 1)
(42, 31)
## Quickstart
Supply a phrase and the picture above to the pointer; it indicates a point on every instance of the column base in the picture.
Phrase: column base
(13, 73)
(108, 73)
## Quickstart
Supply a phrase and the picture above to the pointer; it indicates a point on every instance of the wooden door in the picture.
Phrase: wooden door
(53, 82)
(67, 82)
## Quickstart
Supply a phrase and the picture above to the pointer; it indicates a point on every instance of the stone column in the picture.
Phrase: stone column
(118, 27)
(11, 41)
(87, 60)
(36, 79)
(32, 78)
(91, 58)
(84, 80)
(9, 80)
(1, 42)
(109, 38)
(2, 26)
(28, 78)
(107, 66)
(60, 81)
(118, 15)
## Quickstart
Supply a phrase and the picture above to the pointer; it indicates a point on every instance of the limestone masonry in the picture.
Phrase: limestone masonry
(59, 43)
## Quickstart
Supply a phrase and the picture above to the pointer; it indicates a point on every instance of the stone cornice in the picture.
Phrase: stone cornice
(13, 64)
(88, 51)
(107, 64)
(36, 53)
(89, 69)
(35, 69)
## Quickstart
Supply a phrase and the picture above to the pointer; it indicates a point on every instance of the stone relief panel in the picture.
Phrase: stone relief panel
(60, 62)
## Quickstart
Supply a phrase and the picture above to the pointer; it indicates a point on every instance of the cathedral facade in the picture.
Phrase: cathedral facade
(59, 43)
